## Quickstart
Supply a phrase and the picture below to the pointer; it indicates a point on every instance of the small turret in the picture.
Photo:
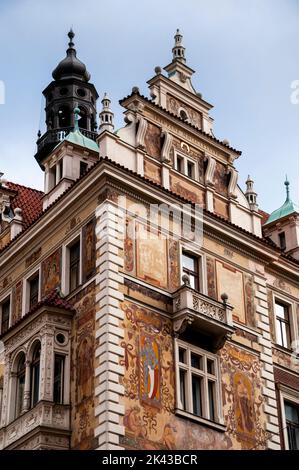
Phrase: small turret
(251, 195)
(178, 50)
(106, 116)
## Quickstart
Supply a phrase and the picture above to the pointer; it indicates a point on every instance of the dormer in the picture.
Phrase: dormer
(68, 161)
(282, 226)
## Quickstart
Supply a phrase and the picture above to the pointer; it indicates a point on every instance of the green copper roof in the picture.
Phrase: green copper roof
(76, 137)
(286, 209)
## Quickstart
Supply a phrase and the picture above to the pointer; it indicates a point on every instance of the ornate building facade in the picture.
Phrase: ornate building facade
(120, 329)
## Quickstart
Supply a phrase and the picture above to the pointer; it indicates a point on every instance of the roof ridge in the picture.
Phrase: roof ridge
(25, 187)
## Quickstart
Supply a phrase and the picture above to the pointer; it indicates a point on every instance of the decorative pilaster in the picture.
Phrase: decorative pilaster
(46, 365)
(109, 331)
(267, 375)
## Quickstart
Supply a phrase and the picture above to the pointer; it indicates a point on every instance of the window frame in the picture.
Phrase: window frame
(62, 379)
(190, 371)
(281, 299)
(26, 289)
(185, 161)
(65, 281)
(291, 396)
(186, 248)
(7, 297)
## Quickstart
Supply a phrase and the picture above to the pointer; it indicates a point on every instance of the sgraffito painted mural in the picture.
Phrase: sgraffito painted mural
(88, 251)
(17, 302)
(149, 393)
(82, 370)
(142, 249)
(152, 140)
(221, 178)
(230, 281)
(186, 190)
(149, 370)
(51, 273)
(242, 398)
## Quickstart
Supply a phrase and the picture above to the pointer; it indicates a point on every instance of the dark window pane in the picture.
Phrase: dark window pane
(33, 294)
(182, 355)
(74, 265)
(210, 366)
(282, 240)
(196, 395)
(180, 165)
(196, 361)
(35, 375)
(5, 316)
(190, 169)
(83, 168)
(20, 385)
(58, 379)
(211, 392)
(292, 419)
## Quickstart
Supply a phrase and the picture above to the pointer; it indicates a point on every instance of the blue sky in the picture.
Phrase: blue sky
(245, 53)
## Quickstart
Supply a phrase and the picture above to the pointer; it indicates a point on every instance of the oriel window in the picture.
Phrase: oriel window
(74, 276)
(282, 323)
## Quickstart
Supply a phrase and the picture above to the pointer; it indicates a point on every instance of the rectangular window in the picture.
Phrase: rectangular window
(190, 169)
(282, 323)
(5, 313)
(190, 267)
(33, 291)
(282, 240)
(58, 379)
(60, 169)
(292, 424)
(83, 168)
(74, 273)
(198, 383)
(180, 164)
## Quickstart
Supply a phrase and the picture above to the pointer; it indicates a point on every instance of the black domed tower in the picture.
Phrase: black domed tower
(69, 89)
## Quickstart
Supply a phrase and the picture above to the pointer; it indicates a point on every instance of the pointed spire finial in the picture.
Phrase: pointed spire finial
(106, 115)
(287, 185)
(71, 36)
(178, 51)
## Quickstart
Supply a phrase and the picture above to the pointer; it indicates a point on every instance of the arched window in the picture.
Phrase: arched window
(20, 384)
(183, 115)
(83, 118)
(35, 374)
(93, 124)
(64, 117)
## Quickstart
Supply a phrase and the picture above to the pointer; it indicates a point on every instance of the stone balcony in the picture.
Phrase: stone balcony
(202, 314)
(46, 426)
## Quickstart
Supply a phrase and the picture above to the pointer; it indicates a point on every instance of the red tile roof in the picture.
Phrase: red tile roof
(265, 216)
(27, 199)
